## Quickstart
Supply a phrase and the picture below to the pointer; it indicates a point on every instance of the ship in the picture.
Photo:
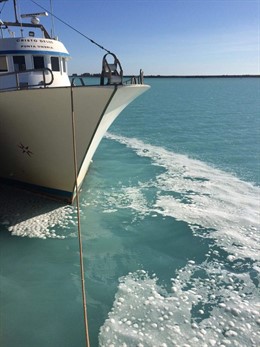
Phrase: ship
(50, 123)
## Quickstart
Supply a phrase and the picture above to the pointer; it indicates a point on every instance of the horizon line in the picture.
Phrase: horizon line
(86, 74)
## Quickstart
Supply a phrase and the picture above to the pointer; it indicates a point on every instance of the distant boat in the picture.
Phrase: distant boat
(45, 120)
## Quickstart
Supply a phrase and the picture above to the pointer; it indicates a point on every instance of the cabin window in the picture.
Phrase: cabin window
(64, 64)
(38, 62)
(3, 64)
(19, 63)
(55, 64)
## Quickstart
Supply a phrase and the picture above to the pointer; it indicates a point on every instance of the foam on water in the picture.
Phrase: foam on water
(215, 303)
(28, 215)
(217, 309)
(204, 197)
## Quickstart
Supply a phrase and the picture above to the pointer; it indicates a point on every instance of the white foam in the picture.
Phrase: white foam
(27, 215)
(208, 304)
(204, 197)
(207, 314)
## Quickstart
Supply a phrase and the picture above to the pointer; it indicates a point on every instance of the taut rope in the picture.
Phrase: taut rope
(82, 274)
(71, 27)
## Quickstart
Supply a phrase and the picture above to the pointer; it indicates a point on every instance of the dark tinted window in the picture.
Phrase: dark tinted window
(3, 64)
(55, 64)
(38, 62)
(19, 63)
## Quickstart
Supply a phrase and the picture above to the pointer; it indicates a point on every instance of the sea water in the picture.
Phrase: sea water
(170, 223)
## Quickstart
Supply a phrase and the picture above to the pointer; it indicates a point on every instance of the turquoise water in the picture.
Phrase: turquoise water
(170, 222)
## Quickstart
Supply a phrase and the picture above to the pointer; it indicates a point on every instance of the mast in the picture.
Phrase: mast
(17, 23)
(52, 20)
(15, 11)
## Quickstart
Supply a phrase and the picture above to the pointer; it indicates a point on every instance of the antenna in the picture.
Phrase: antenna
(52, 21)
(34, 16)
(28, 15)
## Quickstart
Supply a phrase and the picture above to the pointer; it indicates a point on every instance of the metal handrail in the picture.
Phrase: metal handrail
(18, 73)
(136, 79)
(77, 78)
(113, 72)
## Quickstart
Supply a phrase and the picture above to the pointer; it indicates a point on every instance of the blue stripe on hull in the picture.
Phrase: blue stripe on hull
(20, 51)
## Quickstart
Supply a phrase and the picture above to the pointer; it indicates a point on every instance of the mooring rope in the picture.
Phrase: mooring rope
(82, 273)
(71, 27)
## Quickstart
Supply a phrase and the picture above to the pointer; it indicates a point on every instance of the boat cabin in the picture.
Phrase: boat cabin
(31, 62)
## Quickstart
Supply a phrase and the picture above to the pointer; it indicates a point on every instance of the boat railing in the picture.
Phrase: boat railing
(18, 84)
(112, 71)
(112, 74)
(77, 78)
(136, 79)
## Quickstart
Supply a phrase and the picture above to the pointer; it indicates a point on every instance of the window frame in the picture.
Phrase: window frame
(64, 64)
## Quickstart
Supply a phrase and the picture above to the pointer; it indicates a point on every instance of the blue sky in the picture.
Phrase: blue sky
(178, 37)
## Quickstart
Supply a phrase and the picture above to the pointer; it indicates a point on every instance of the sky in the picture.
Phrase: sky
(163, 37)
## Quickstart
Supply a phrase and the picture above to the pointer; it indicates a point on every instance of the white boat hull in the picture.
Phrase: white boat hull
(36, 138)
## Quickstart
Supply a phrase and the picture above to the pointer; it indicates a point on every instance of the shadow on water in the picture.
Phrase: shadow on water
(23, 213)
(17, 205)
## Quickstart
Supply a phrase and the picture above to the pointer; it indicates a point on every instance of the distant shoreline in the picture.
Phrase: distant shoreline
(200, 76)
(173, 76)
